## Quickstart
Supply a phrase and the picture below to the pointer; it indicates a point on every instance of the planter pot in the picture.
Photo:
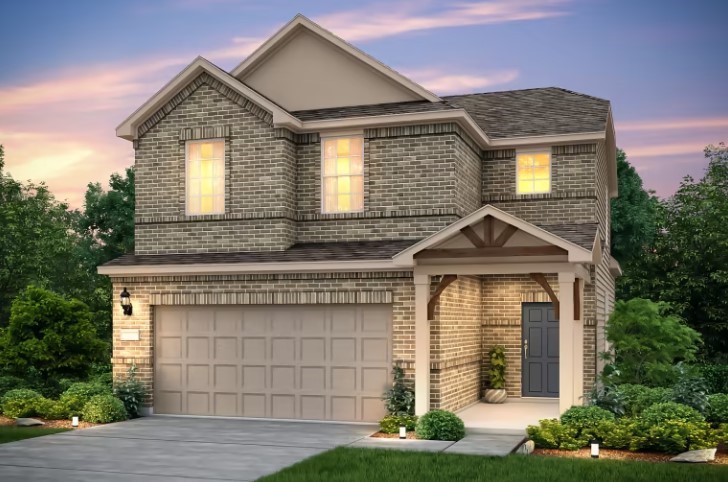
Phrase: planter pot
(495, 395)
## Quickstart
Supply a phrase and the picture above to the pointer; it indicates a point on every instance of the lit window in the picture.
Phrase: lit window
(205, 177)
(343, 175)
(533, 172)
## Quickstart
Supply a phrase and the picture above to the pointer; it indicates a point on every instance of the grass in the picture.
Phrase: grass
(353, 465)
(9, 433)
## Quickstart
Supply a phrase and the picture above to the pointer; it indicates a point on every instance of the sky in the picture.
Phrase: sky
(73, 70)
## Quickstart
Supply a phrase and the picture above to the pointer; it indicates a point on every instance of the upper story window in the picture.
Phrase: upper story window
(533, 172)
(205, 177)
(343, 174)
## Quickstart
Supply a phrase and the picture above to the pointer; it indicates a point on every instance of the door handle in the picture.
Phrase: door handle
(525, 348)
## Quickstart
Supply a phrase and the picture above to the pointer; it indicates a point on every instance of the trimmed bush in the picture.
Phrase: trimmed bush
(391, 423)
(620, 434)
(662, 412)
(440, 425)
(20, 402)
(674, 436)
(552, 434)
(104, 409)
(8, 383)
(717, 408)
(586, 419)
(79, 394)
(637, 398)
(51, 409)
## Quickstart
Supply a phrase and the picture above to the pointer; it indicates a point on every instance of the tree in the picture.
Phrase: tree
(648, 341)
(633, 214)
(50, 335)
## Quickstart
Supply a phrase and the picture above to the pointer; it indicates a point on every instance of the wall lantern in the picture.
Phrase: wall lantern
(594, 449)
(126, 302)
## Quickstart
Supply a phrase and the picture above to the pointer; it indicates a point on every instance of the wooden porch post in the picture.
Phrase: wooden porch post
(422, 345)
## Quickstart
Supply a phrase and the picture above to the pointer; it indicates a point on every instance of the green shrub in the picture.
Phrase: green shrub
(586, 419)
(715, 376)
(662, 412)
(608, 397)
(718, 408)
(552, 434)
(497, 371)
(105, 379)
(8, 383)
(440, 425)
(131, 392)
(673, 436)
(78, 394)
(104, 409)
(690, 388)
(620, 434)
(51, 409)
(391, 423)
(400, 399)
(20, 402)
(638, 397)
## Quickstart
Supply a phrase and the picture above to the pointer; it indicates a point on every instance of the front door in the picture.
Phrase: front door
(540, 351)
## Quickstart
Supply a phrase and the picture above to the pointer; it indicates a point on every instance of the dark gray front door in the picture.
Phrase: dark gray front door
(540, 351)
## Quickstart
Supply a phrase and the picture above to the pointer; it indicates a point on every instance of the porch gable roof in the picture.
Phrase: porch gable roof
(579, 242)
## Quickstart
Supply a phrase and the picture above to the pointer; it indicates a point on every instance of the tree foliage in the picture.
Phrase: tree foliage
(648, 341)
(50, 335)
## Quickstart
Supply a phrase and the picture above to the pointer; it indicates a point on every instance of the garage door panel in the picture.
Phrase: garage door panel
(318, 362)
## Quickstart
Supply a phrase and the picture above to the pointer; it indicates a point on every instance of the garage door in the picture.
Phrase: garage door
(317, 362)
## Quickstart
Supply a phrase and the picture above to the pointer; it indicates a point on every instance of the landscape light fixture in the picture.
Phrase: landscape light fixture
(402, 432)
(126, 302)
(594, 449)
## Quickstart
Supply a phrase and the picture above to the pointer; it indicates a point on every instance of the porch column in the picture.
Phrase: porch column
(566, 341)
(579, 348)
(422, 345)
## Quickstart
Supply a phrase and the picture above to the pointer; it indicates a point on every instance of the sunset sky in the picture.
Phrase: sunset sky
(74, 69)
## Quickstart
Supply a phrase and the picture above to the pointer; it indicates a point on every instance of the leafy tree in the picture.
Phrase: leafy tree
(50, 335)
(647, 342)
(633, 213)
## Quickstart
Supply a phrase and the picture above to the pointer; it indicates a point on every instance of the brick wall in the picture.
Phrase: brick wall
(456, 345)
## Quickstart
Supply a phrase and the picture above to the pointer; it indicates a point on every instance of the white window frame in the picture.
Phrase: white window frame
(544, 150)
(224, 175)
(323, 176)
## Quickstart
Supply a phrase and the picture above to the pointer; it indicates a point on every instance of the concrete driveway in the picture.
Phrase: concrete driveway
(173, 448)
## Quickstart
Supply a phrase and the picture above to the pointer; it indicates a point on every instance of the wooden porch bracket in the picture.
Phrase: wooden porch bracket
(505, 235)
(445, 281)
(472, 236)
(541, 280)
(488, 230)
(577, 299)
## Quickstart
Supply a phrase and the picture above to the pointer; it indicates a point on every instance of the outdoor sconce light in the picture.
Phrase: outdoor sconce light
(403, 432)
(594, 449)
(126, 302)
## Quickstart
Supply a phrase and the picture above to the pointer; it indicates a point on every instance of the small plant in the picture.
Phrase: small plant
(20, 402)
(608, 397)
(440, 425)
(78, 394)
(400, 399)
(690, 389)
(586, 419)
(131, 392)
(718, 408)
(497, 371)
(552, 434)
(391, 423)
(104, 409)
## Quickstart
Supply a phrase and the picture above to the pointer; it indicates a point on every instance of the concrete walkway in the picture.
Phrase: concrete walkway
(172, 449)
(490, 444)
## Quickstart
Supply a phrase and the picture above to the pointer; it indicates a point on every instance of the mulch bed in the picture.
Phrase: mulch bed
(410, 435)
(51, 423)
(721, 457)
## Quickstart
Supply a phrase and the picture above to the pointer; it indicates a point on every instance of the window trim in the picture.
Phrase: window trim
(322, 160)
(224, 174)
(546, 150)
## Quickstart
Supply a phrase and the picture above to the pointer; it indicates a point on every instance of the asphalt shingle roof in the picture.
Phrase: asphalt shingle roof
(371, 110)
(581, 234)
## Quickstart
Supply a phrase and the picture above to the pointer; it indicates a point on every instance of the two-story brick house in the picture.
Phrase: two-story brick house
(312, 217)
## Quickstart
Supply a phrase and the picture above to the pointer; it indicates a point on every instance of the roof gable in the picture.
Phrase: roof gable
(304, 66)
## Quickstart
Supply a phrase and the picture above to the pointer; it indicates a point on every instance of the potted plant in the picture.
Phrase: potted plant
(497, 391)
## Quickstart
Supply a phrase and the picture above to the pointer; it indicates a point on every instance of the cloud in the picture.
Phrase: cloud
(673, 124)
(386, 20)
(448, 82)
(666, 149)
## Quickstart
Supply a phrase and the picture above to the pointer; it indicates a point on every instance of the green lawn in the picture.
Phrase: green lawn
(9, 433)
(353, 465)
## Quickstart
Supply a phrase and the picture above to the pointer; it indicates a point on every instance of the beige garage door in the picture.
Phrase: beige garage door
(318, 362)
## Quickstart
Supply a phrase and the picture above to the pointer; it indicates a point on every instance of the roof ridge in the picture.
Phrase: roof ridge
(562, 89)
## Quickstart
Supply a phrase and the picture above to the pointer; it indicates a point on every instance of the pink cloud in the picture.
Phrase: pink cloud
(673, 124)
(374, 23)
(448, 82)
